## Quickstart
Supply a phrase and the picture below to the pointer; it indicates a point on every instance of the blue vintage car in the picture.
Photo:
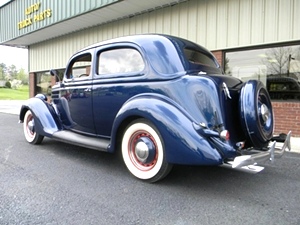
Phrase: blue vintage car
(159, 100)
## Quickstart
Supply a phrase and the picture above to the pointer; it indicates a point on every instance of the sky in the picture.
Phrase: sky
(14, 56)
(2, 2)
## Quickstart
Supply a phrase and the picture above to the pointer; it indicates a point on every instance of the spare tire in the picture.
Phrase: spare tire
(256, 114)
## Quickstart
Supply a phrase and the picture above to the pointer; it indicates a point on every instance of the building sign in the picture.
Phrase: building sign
(34, 14)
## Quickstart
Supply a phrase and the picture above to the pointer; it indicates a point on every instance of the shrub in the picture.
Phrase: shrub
(15, 84)
(8, 84)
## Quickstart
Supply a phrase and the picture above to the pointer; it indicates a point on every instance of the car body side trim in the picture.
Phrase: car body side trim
(70, 137)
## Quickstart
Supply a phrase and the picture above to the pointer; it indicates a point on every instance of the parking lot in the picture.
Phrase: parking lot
(56, 183)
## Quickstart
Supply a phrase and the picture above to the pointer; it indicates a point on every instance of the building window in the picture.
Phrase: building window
(277, 67)
(43, 83)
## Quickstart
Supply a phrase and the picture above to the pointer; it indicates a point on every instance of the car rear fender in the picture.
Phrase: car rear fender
(183, 145)
(45, 118)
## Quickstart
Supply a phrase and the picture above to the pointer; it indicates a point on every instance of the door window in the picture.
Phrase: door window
(80, 66)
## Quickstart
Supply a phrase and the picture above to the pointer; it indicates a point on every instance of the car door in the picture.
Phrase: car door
(119, 67)
(77, 92)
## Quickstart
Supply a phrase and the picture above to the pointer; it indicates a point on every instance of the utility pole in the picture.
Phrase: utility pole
(289, 64)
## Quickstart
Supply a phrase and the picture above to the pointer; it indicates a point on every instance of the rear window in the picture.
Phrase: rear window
(201, 61)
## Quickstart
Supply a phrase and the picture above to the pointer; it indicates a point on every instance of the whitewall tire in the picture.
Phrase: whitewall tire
(143, 151)
(29, 129)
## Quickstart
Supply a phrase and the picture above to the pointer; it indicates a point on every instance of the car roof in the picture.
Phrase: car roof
(162, 53)
(135, 39)
(166, 52)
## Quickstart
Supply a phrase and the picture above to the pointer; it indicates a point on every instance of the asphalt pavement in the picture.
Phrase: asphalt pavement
(57, 183)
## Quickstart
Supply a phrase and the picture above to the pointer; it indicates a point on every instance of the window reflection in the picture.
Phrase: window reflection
(123, 60)
(80, 66)
(278, 68)
(43, 83)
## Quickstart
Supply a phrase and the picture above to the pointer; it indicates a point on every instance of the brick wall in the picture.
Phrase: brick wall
(53, 80)
(287, 117)
(219, 56)
(32, 84)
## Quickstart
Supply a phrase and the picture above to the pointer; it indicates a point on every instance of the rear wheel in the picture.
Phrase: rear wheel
(29, 129)
(143, 151)
(256, 113)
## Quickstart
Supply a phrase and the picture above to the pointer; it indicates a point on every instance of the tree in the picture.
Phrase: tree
(1, 74)
(227, 67)
(12, 72)
(3, 69)
(277, 60)
(22, 76)
(12, 76)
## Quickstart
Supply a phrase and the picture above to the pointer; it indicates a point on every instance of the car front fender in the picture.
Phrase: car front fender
(183, 145)
(45, 118)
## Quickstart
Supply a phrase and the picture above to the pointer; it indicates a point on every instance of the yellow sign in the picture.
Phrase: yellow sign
(34, 18)
(33, 8)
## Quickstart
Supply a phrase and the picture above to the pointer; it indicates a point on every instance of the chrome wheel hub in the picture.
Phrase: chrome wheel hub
(265, 113)
(30, 126)
(144, 150)
(141, 151)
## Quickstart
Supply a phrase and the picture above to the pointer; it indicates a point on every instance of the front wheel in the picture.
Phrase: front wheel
(29, 129)
(143, 151)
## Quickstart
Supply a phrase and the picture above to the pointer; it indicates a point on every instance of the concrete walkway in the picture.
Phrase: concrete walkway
(13, 107)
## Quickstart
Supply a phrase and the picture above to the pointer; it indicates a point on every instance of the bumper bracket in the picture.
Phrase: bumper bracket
(249, 159)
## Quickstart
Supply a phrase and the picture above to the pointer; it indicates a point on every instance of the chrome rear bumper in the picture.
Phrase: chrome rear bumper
(249, 159)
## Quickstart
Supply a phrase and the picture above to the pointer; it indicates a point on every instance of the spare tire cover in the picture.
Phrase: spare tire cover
(256, 113)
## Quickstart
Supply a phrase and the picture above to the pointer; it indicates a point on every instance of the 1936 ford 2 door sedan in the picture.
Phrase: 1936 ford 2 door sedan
(160, 100)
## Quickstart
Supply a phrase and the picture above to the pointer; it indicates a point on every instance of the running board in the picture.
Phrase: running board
(70, 137)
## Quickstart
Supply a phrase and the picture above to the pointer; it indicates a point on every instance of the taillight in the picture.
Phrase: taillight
(225, 135)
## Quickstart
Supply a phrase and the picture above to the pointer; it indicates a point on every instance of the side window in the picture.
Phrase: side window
(122, 60)
(80, 66)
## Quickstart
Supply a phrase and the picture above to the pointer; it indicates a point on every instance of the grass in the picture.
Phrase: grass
(21, 93)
